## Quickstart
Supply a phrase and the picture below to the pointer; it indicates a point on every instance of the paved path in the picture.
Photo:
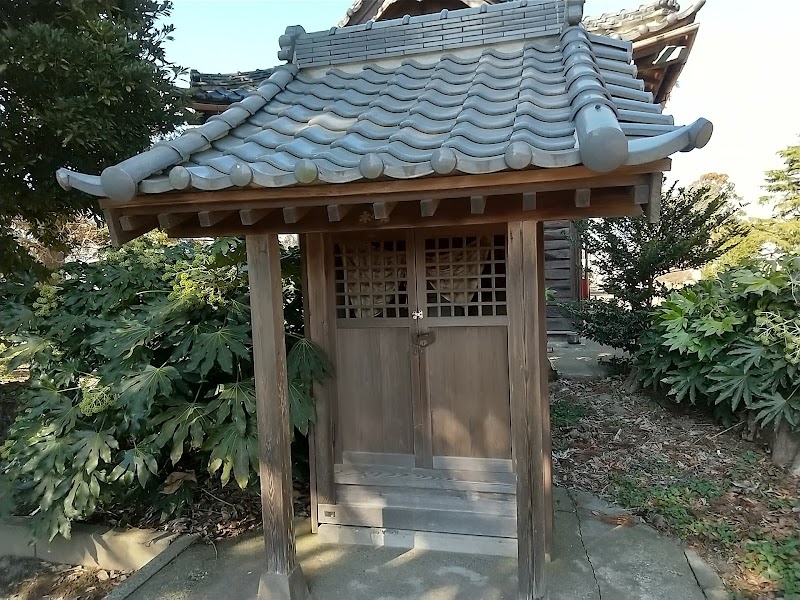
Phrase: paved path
(592, 561)
(579, 360)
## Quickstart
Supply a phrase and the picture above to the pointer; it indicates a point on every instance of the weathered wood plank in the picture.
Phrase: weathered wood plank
(489, 502)
(382, 210)
(269, 359)
(388, 459)
(442, 521)
(463, 463)
(210, 218)
(653, 208)
(425, 478)
(293, 214)
(172, 220)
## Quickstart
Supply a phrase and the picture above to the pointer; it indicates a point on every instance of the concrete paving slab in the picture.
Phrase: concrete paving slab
(636, 563)
(591, 560)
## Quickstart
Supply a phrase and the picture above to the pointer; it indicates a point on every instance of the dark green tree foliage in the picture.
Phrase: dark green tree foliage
(732, 342)
(141, 368)
(783, 185)
(83, 84)
(629, 254)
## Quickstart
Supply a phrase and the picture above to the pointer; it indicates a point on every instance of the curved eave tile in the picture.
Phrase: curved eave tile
(682, 139)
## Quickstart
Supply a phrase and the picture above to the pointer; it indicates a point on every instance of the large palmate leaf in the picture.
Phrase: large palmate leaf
(307, 362)
(138, 391)
(735, 387)
(93, 446)
(180, 421)
(219, 347)
(138, 463)
(234, 452)
(301, 406)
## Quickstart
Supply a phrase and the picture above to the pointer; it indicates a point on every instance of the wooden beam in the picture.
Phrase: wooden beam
(293, 214)
(210, 218)
(137, 222)
(173, 220)
(251, 216)
(653, 209)
(612, 203)
(282, 575)
(477, 205)
(408, 189)
(382, 210)
(427, 207)
(529, 201)
(583, 198)
(527, 347)
(641, 194)
(320, 319)
(337, 212)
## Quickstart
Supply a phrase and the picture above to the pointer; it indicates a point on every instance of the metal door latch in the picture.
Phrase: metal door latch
(426, 339)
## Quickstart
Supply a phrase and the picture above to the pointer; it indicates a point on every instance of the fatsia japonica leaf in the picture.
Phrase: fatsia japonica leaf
(180, 421)
(301, 406)
(234, 452)
(306, 362)
(139, 390)
(735, 387)
(137, 463)
(219, 347)
(93, 446)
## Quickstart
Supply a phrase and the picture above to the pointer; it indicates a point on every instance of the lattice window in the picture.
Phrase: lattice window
(465, 276)
(371, 280)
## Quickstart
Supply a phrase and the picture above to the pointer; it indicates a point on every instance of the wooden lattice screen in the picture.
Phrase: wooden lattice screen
(371, 280)
(465, 276)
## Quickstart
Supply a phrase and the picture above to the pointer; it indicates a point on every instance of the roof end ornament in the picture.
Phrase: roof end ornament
(288, 42)
(573, 11)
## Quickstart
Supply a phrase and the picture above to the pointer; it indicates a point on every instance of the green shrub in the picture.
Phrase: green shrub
(140, 369)
(732, 342)
(697, 225)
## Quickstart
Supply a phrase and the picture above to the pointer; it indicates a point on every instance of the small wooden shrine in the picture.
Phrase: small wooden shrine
(418, 159)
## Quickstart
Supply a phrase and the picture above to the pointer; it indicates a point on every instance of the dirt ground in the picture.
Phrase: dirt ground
(30, 579)
(685, 475)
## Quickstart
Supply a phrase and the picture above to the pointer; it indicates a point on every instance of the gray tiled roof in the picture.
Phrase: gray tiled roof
(631, 25)
(224, 88)
(641, 22)
(547, 95)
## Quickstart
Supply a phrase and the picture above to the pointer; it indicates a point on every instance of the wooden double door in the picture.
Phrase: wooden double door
(422, 349)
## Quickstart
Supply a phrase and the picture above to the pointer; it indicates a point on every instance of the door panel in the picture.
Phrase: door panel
(374, 390)
(468, 390)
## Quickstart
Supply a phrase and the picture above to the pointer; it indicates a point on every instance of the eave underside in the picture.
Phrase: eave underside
(541, 194)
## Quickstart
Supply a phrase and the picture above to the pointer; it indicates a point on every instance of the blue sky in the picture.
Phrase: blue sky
(743, 74)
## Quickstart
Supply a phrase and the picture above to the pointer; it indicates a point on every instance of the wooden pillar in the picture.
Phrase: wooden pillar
(283, 579)
(528, 372)
(319, 318)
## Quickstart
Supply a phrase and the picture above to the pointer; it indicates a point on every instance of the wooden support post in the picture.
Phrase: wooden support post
(583, 198)
(427, 208)
(528, 372)
(319, 317)
(337, 212)
(283, 578)
(210, 218)
(529, 201)
(477, 205)
(382, 210)
(653, 209)
(251, 216)
(293, 214)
